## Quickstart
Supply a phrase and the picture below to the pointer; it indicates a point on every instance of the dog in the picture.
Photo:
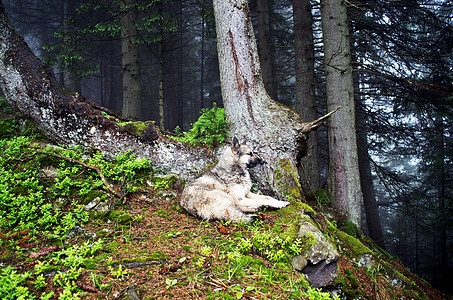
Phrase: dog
(223, 193)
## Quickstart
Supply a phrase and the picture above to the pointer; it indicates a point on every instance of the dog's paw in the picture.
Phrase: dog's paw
(255, 218)
(281, 204)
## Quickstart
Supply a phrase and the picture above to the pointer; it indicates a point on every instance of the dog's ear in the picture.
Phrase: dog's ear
(235, 145)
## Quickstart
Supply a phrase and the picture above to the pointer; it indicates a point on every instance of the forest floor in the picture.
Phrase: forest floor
(146, 246)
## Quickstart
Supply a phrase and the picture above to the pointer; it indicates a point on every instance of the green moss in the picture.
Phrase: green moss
(307, 208)
(376, 248)
(93, 195)
(309, 240)
(291, 231)
(288, 180)
(120, 216)
(294, 192)
(164, 182)
(358, 249)
(157, 255)
(350, 228)
(310, 220)
(144, 130)
(291, 211)
(291, 217)
(331, 226)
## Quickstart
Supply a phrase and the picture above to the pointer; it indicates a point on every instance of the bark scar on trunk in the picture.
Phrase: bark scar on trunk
(242, 83)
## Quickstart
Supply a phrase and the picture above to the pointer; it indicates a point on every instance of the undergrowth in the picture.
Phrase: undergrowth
(43, 194)
(52, 247)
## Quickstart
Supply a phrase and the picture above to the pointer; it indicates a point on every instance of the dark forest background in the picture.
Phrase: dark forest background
(403, 75)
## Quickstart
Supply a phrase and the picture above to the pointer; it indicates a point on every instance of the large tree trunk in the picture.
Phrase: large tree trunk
(305, 94)
(344, 178)
(130, 63)
(68, 119)
(273, 130)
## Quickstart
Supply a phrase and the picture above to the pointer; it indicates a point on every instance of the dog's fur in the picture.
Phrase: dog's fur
(224, 192)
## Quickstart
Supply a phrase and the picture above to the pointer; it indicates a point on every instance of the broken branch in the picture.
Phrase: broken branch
(313, 125)
(104, 180)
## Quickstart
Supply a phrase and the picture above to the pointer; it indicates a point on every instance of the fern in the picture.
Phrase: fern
(210, 130)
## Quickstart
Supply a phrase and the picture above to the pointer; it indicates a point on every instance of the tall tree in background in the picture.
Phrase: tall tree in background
(305, 94)
(343, 178)
(130, 62)
(265, 45)
(373, 220)
(70, 81)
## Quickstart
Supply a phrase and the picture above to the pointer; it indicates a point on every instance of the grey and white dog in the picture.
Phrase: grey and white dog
(223, 193)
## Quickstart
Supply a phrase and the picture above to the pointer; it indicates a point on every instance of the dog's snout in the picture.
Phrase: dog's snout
(255, 161)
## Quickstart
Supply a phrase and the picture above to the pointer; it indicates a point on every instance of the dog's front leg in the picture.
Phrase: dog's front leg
(255, 201)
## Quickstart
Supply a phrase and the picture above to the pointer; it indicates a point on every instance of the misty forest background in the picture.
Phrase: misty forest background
(403, 75)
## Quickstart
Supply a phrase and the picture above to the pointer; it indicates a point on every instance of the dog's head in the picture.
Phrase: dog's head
(245, 155)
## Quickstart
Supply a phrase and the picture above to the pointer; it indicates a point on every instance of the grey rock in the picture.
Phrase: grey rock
(102, 207)
(92, 204)
(321, 259)
(321, 274)
(322, 250)
(299, 262)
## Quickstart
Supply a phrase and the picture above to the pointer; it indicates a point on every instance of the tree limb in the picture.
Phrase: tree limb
(104, 180)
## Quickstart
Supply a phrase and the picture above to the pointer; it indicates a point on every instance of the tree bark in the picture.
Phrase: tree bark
(273, 130)
(265, 45)
(344, 178)
(130, 63)
(69, 119)
(305, 95)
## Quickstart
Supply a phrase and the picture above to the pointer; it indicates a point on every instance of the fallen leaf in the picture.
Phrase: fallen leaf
(223, 229)
(87, 287)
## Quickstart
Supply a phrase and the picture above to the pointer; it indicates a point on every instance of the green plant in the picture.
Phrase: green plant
(317, 294)
(210, 130)
(96, 279)
(11, 284)
(118, 273)
(170, 282)
(49, 184)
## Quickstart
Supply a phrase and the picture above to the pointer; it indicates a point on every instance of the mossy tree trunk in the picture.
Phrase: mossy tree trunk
(275, 131)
